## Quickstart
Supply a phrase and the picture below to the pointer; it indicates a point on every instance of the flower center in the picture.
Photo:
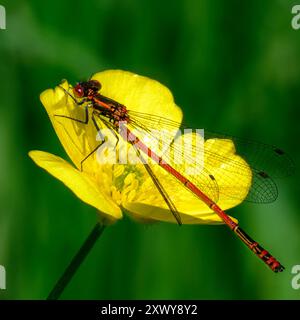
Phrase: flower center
(128, 183)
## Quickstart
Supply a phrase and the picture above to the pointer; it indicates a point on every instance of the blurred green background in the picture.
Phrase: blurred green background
(232, 66)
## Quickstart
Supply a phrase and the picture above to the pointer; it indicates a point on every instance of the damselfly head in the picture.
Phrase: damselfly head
(87, 88)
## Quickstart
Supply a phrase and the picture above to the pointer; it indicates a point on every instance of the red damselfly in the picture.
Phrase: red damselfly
(265, 161)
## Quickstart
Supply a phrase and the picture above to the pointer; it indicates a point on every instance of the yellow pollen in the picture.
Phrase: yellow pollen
(118, 171)
(130, 177)
(115, 194)
(131, 195)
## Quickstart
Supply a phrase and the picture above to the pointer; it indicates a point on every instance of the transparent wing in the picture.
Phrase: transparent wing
(229, 173)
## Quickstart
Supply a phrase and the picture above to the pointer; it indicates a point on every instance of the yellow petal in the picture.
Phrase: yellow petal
(81, 184)
(147, 213)
(139, 93)
(72, 135)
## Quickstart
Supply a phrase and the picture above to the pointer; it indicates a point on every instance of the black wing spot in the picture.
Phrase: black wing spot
(212, 177)
(263, 174)
(279, 151)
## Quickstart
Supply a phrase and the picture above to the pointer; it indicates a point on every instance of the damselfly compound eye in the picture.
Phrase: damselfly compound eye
(78, 91)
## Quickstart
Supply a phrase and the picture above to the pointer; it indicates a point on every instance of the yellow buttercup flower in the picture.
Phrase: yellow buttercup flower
(116, 188)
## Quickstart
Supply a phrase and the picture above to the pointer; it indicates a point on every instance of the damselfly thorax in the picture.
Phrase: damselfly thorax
(103, 106)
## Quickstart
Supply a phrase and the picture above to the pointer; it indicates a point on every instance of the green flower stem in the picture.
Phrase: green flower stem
(76, 262)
